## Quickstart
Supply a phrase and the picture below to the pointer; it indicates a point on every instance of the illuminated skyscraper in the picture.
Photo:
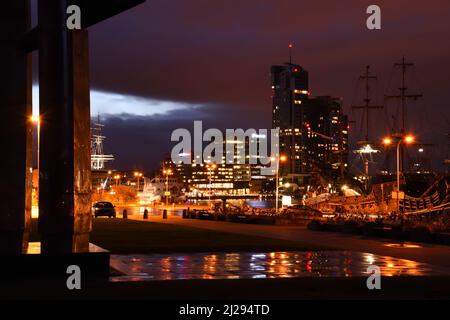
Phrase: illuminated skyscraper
(290, 93)
(328, 136)
(313, 131)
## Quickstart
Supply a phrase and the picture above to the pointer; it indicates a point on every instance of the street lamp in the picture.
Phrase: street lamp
(138, 175)
(278, 159)
(167, 172)
(387, 141)
(117, 178)
(406, 139)
(409, 139)
(210, 168)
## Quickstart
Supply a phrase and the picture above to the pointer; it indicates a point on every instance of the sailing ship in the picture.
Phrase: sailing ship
(414, 192)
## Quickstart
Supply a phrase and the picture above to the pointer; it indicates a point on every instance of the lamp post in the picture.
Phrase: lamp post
(117, 177)
(167, 173)
(138, 175)
(210, 170)
(400, 138)
(278, 159)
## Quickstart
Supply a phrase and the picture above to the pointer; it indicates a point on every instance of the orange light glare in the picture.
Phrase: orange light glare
(409, 139)
(387, 141)
(34, 119)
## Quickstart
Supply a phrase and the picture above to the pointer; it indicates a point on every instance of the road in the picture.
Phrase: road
(433, 254)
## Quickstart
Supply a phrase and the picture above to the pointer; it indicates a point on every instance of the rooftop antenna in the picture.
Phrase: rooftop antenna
(290, 46)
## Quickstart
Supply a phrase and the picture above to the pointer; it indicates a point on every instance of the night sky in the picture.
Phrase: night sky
(166, 63)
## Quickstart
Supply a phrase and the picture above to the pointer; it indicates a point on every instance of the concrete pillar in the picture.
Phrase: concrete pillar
(65, 182)
(15, 128)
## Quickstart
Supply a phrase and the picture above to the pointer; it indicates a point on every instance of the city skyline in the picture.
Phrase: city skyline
(166, 150)
(200, 66)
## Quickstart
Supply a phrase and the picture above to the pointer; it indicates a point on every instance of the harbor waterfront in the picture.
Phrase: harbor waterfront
(211, 159)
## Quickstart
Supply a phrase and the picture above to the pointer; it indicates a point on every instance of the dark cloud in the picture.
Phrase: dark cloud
(141, 142)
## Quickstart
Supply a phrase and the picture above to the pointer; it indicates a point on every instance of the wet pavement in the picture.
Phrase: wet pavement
(433, 254)
(140, 267)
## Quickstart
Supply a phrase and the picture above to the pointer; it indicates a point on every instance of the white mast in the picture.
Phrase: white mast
(98, 159)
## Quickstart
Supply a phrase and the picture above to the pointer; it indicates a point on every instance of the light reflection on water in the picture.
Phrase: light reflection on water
(263, 265)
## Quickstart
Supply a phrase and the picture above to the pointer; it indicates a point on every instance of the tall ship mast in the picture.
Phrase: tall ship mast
(98, 158)
(407, 191)
(366, 146)
(400, 126)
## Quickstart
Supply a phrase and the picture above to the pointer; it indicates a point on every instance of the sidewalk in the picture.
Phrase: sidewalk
(427, 253)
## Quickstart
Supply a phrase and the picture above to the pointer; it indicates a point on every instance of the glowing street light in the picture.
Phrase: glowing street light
(409, 139)
(35, 119)
(406, 139)
(117, 178)
(278, 159)
(211, 168)
(138, 175)
(167, 173)
(387, 141)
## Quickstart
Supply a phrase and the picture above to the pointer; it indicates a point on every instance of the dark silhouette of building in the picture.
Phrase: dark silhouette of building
(328, 135)
(313, 131)
(290, 89)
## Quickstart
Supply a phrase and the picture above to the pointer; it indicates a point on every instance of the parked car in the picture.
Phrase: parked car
(104, 209)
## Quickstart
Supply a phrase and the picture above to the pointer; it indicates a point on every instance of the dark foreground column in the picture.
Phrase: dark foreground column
(65, 183)
(15, 128)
